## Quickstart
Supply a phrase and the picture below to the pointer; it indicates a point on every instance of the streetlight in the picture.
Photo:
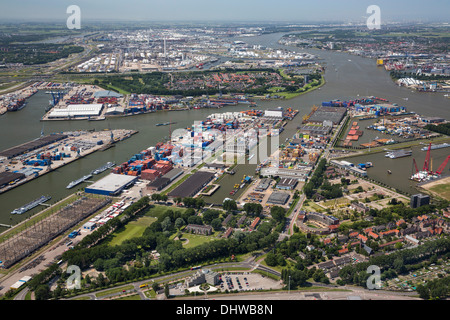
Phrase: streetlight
(289, 290)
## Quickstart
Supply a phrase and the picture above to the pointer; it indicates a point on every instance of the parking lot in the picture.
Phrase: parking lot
(244, 281)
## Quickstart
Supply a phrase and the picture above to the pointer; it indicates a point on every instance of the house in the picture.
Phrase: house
(400, 222)
(227, 233)
(254, 223)
(199, 229)
(359, 207)
(390, 243)
(362, 238)
(353, 234)
(409, 230)
(373, 235)
(393, 232)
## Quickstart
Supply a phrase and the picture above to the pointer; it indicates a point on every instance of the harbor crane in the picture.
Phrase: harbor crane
(442, 166)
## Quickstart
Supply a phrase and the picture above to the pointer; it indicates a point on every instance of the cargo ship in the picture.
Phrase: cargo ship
(398, 154)
(103, 168)
(31, 205)
(16, 105)
(164, 124)
(437, 146)
(76, 182)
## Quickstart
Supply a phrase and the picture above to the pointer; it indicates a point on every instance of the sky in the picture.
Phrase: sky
(226, 10)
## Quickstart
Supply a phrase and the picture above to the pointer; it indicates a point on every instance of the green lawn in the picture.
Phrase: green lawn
(132, 230)
(158, 210)
(194, 240)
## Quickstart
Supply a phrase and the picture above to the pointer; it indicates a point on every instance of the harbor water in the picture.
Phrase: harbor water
(355, 76)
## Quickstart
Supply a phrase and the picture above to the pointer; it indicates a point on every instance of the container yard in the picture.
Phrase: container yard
(16, 100)
(82, 102)
(30, 160)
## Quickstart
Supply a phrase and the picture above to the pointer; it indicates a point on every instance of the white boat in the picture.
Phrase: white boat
(31, 205)
(78, 181)
(103, 168)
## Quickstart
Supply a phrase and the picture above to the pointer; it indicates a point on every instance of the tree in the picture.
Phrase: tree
(209, 215)
(278, 213)
(156, 197)
(253, 209)
(42, 292)
(217, 224)
(166, 290)
(166, 224)
(179, 223)
(229, 205)
(271, 259)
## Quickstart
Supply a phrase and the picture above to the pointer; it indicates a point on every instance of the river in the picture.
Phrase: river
(354, 76)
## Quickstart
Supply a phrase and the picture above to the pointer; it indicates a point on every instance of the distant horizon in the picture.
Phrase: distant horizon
(238, 11)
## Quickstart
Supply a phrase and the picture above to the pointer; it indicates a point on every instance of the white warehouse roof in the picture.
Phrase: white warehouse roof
(77, 110)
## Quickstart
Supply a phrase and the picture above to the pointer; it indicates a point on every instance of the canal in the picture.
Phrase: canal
(355, 76)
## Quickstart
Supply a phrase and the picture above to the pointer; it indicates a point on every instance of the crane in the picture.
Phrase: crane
(426, 164)
(442, 166)
(415, 165)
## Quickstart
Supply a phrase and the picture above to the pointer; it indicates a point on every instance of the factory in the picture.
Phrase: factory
(110, 185)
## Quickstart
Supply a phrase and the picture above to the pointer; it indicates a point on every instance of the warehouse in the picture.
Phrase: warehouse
(263, 185)
(192, 185)
(77, 111)
(333, 114)
(107, 94)
(173, 174)
(279, 198)
(7, 177)
(32, 145)
(274, 113)
(158, 184)
(110, 185)
(287, 183)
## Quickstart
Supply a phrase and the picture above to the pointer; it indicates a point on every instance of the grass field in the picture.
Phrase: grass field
(132, 230)
(441, 189)
(136, 228)
(194, 240)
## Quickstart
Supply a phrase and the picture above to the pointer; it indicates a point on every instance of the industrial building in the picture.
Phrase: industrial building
(112, 184)
(274, 113)
(278, 198)
(32, 145)
(158, 184)
(287, 183)
(263, 185)
(192, 185)
(333, 114)
(7, 177)
(77, 111)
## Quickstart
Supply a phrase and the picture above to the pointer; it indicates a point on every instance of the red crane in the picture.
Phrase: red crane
(415, 165)
(426, 164)
(442, 166)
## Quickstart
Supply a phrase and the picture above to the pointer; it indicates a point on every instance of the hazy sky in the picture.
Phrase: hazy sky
(226, 10)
